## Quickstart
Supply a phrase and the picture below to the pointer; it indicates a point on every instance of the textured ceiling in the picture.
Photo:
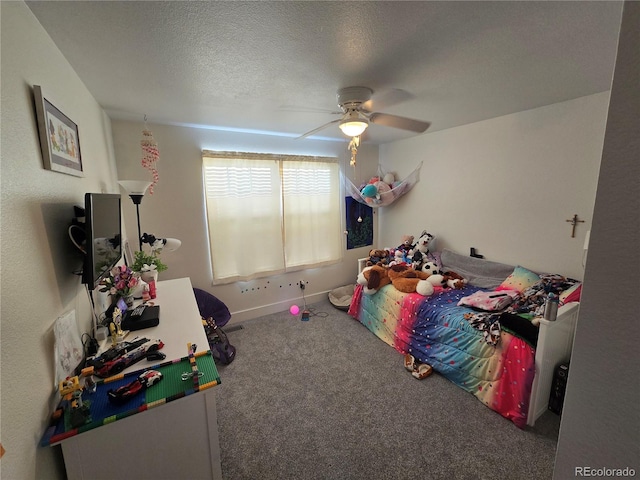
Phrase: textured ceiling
(276, 66)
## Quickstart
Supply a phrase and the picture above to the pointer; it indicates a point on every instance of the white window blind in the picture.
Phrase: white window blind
(270, 214)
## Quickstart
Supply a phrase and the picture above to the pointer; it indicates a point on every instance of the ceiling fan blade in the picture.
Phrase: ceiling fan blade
(300, 109)
(386, 99)
(311, 132)
(402, 123)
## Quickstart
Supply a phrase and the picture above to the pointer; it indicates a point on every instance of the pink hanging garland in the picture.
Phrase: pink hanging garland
(150, 156)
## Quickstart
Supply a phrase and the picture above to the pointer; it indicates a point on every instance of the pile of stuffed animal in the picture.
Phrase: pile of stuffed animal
(378, 190)
(409, 268)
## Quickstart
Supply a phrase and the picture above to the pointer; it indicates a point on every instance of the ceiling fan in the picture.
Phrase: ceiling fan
(355, 103)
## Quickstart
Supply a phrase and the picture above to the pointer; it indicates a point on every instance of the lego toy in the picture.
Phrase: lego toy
(125, 393)
(78, 411)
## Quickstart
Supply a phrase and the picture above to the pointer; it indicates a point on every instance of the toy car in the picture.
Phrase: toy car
(127, 392)
(150, 377)
(116, 359)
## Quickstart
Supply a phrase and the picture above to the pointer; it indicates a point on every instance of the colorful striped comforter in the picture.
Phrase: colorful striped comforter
(433, 329)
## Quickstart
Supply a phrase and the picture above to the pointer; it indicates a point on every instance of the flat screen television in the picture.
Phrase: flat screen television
(103, 230)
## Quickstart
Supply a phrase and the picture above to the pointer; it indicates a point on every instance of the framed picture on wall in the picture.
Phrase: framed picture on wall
(59, 140)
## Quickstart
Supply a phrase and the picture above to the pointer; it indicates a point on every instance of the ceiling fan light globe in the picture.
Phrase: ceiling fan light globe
(353, 128)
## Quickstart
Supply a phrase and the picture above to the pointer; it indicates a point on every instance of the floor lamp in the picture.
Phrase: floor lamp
(136, 190)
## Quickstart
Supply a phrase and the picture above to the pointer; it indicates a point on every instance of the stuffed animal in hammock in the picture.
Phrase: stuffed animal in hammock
(373, 278)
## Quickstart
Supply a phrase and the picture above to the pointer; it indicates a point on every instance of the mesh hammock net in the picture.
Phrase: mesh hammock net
(382, 195)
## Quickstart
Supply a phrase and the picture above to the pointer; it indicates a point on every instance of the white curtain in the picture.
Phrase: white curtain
(311, 199)
(268, 214)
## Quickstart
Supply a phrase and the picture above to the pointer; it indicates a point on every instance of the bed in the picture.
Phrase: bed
(509, 370)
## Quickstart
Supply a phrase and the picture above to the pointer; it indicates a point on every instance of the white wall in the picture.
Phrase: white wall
(36, 257)
(600, 425)
(504, 186)
(176, 209)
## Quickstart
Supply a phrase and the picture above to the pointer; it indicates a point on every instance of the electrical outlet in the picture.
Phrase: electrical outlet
(301, 284)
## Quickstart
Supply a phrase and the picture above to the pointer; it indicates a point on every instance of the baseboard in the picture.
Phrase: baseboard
(251, 313)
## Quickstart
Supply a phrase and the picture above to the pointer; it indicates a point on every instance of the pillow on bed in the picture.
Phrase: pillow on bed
(520, 279)
(479, 272)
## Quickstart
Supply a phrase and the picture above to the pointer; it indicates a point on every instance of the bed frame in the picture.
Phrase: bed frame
(555, 341)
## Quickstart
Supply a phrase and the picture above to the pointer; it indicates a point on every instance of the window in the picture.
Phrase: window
(270, 214)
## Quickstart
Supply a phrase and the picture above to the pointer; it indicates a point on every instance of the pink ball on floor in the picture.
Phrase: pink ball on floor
(294, 310)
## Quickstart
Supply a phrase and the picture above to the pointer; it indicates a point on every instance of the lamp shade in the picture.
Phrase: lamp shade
(160, 244)
(135, 187)
(353, 124)
(171, 244)
(136, 190)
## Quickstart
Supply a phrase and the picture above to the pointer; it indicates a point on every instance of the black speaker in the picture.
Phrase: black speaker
(558, 388)
(148, 317)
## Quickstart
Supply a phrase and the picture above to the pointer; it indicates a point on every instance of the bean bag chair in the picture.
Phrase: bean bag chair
(211, 306)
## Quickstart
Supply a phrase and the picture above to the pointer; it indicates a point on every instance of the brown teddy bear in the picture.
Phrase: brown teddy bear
(373, 278)
(407, 280)
(378, 257)
(407, 244)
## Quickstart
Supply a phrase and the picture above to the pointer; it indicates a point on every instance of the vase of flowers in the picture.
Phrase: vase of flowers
(149, 273)
(149, 265)
(120, 283)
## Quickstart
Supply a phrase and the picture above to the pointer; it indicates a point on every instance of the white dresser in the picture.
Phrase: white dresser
(178, 439)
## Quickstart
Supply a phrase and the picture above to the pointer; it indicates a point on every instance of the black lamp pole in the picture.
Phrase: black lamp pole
(137, 199)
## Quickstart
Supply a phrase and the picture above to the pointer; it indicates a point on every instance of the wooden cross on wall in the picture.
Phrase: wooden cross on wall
(574, 221)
